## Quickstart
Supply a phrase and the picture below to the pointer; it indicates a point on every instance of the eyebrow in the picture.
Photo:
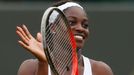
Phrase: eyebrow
(85, 18)
(71, 17)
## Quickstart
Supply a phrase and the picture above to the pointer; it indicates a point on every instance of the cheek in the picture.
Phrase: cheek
(73, 29)
(87, 33)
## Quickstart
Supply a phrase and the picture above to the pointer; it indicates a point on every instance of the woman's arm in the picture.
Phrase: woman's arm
(35, 47)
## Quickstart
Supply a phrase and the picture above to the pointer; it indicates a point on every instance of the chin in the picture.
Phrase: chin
(79, 46)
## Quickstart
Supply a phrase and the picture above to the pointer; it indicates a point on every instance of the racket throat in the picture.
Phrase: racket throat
(75, 66)
(74, 62)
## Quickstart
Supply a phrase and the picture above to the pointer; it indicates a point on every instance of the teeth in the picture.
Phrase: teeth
(79, 37)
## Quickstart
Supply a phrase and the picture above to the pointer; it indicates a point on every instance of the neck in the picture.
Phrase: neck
(79, 55)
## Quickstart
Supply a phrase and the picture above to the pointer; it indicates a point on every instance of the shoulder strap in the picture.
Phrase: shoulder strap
(49, 70)
(87, 66)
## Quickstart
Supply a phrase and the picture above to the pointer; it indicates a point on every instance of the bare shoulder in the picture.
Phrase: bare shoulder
(28, 67)
(100, 68)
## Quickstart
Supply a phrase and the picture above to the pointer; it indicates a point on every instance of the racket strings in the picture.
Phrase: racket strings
(58, 37)
(60, 43)
(55, 42)
(58, 47)
(61, 63)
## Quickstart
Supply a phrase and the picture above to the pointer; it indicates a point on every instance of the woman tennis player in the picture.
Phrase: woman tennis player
(78, 21)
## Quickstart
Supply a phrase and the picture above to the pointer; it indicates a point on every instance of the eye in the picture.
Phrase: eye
(71, 23)
(85, 25)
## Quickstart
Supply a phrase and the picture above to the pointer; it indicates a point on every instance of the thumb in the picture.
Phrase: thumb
(39, 37)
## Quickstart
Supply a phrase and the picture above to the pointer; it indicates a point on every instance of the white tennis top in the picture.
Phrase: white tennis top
(87, 67)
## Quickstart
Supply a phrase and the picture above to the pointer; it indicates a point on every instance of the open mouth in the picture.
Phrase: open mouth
(79, 37)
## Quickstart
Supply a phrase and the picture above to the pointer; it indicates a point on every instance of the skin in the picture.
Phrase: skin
(79, 24)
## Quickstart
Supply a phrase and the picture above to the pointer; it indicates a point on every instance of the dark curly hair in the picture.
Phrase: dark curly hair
(61, 2)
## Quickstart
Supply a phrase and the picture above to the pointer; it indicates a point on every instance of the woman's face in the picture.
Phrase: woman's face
(79, 24)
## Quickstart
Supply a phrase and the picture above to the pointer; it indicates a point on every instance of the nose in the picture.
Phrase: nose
(78, 28)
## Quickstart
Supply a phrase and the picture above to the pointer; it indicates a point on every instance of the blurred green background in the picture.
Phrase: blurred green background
(111, 25)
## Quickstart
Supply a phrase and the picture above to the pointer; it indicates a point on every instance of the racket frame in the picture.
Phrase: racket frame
(43, 25)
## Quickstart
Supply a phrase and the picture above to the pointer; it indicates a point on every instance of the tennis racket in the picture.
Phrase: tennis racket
(58, 41)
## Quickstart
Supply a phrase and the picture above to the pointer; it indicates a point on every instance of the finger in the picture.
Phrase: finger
(22, 32)
(26, 31)
(39, 37)
(22, 37)
(23, 44)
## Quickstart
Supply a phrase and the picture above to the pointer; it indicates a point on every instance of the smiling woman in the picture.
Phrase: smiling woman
(78, 21)
(79, 24)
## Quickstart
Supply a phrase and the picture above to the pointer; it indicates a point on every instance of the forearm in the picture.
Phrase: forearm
(42, 68)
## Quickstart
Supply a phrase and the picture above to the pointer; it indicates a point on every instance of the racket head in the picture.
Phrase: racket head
(58, 41)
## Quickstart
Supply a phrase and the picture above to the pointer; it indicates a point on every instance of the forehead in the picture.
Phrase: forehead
(75, 12)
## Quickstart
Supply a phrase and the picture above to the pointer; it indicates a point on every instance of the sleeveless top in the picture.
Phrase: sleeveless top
(87, 67)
